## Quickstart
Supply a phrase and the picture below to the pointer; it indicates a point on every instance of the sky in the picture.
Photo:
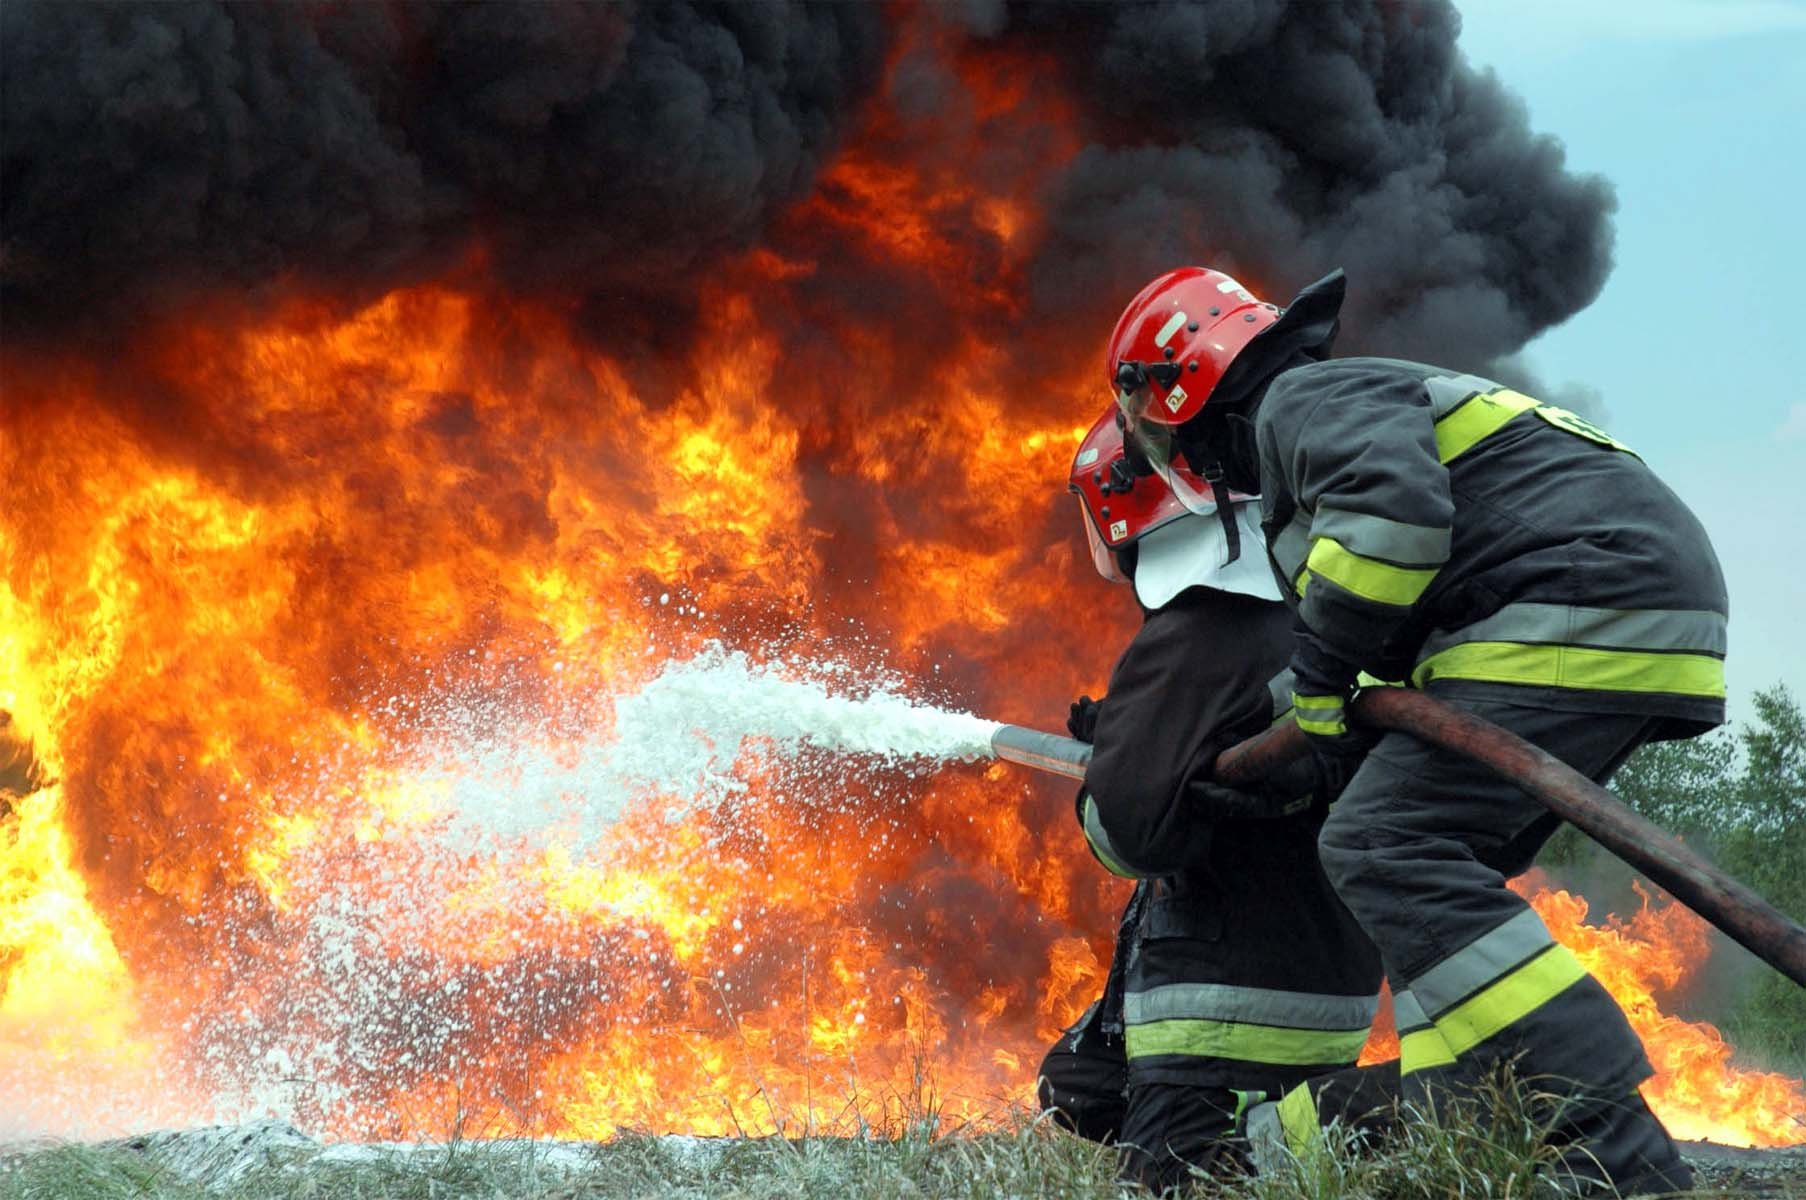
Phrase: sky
(1696, 111)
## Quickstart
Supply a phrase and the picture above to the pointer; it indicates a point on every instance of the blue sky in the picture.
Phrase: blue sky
(1696, 111)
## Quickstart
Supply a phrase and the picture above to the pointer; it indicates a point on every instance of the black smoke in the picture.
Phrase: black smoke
(1284, 139)
(158, 152)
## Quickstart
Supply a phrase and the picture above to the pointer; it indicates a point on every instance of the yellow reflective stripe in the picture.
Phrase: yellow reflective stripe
(1246, 1043)
(1368, 578)
(1477, 418)
(1422, 1049)
(1582, 667)
(1579, 426)
(1323, 728)
(1514, 997)
(1319, 714)
(1298, 1118)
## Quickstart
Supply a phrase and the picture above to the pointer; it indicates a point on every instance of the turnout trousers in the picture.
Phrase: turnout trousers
(1419, 847)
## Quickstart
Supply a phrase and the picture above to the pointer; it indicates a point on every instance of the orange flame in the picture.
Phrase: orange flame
(262, 584)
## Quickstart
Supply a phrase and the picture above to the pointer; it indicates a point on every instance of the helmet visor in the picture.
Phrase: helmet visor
(1101, 557)
(1159, 444)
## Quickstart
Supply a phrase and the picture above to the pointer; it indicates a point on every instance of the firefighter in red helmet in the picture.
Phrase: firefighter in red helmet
(1439, 529)
(1237, 974)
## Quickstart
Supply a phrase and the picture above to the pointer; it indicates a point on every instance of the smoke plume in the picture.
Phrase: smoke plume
(1282, 140)
(156, 154)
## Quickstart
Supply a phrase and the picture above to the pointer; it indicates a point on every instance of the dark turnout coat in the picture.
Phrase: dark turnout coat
(1247, 972)
(1444, 529)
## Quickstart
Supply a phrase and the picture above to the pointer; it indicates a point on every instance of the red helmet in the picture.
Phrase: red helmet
(1170, 349)
(1117, 506)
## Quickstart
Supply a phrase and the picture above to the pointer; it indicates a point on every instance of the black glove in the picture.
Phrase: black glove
(1081, 719)
(1323, 682)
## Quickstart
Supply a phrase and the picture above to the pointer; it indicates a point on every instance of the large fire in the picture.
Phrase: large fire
(255, 574)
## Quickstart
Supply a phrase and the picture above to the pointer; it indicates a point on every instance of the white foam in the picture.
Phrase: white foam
(684, 730)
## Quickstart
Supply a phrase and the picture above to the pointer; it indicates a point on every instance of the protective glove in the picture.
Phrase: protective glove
(1081, 719)
(1323, 683)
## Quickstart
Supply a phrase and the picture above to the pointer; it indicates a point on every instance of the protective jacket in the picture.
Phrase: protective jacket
(1446, 529)
(1247, 972)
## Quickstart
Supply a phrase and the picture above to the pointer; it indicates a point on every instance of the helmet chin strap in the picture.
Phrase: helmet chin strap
(1219, 488)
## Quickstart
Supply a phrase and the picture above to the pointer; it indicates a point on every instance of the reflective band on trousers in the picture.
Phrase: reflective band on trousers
(1490, 1012)
(1423, 1050)
(1264, 1006)
(1476, 965)
(1245, 1043)
(1419, 1044)
(1368, 578)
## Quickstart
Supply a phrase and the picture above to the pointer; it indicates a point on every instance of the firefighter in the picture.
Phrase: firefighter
(1442, 530)
(1238, 973)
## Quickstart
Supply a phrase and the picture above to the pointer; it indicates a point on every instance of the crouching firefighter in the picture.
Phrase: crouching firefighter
(1238, 974)
(1440, 529)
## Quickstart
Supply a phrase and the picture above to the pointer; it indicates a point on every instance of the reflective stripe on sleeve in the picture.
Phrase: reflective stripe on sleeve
(1099, 841)
(1395, 542)
(1265, 1006)
(1321, 715)
(1368, 578)
(1243, 1042)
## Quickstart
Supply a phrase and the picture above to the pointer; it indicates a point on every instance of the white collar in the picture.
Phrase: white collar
(1190, 552)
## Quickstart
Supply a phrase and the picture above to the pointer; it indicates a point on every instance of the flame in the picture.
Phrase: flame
(1697, 1091)
(263, 581)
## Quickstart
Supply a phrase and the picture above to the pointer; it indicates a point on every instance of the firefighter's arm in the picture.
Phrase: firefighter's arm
(1356, 447)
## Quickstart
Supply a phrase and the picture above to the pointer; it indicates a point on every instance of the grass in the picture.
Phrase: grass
(1495, 1149)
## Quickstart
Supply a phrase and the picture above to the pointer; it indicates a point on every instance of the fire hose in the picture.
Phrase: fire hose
(1734, 908)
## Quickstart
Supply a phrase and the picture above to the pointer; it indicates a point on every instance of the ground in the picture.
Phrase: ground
(275, 1160)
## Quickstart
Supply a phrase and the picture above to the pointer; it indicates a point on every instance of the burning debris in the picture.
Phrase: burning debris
(380, 374)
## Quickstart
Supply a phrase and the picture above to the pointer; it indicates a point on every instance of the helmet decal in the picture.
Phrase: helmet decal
(1173, 324)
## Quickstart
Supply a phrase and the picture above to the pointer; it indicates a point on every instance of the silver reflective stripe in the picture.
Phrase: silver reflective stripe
(1279, 693)
(1292, 546)
(1696, 631)
(1449, 392)
(1485, 959)
(1382, 538)
(1259, 1006)
(1407, 1013)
